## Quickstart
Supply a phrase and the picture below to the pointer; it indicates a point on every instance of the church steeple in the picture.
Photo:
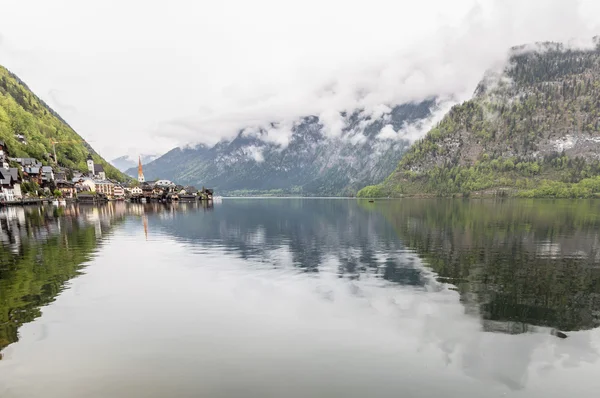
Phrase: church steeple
(140, 171)
(90, 164)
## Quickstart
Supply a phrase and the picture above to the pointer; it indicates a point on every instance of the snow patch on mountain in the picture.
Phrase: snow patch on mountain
(330, 154)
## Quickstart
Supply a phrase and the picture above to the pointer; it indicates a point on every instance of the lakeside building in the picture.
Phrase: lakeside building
(166, 186)
(10, 185)
(10, 180)
(96, 170)
(85, 184)
(105, 187)
(118, 191)
(47, 174)
(134, 191)
(66, 188)
(48, 179)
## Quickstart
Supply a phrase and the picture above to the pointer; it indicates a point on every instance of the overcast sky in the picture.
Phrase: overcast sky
(144, 76)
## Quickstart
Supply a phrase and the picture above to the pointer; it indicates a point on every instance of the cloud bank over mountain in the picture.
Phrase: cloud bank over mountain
(198, 72)
(447, 64)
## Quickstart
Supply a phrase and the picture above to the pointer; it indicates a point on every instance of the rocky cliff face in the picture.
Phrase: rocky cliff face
(313, 163)
(534, 129)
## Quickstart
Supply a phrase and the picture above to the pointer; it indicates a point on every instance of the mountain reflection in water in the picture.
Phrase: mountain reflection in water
(516, 263)
(297, 291)
(41, 249)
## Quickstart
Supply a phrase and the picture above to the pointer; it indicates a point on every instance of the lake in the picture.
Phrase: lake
(301, 298)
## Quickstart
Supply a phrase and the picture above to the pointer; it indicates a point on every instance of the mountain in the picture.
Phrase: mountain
(311, 164)
(27, 126)
(126, 162)
(531, 130)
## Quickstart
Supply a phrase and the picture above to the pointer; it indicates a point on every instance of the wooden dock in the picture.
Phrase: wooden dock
(26, 202)
(91, 199)
(168, 199)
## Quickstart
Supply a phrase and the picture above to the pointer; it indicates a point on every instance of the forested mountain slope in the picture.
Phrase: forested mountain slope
(313, 163)
(531, 130)
(22, 113)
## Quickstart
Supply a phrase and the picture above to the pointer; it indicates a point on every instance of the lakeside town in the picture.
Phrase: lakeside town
(29, 181)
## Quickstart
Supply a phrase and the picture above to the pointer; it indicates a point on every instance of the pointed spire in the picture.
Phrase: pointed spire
(140, 170)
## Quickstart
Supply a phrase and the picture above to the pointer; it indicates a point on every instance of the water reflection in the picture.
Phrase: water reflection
(41, 248)
(519, 264)
(518, 268)
(310, 235)
(335, 297)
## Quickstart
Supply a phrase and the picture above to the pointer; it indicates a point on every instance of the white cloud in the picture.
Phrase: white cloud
(255, 153)
(333, 122)
(414, 131)
(190, 71)
(388, 133)
(377, 111)
(279, 133)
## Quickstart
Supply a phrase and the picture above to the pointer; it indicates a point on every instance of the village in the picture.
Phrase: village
(29, 181)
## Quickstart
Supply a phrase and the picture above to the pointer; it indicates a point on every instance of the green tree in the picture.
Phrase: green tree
(22, 112)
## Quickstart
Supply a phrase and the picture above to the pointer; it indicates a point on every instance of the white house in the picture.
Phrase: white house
(10, 185)
(134, 190)
(88, 184)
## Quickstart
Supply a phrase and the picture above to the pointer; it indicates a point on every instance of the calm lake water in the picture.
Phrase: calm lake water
(301, 298)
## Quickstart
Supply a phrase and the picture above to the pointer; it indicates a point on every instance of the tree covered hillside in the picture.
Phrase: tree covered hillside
(532, 130)
(23, 113)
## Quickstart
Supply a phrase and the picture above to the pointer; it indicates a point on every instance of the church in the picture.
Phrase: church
(96, 170)
(141, 178)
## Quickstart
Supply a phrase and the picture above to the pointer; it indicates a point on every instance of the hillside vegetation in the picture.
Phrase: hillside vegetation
(532, 130)
(23, 113)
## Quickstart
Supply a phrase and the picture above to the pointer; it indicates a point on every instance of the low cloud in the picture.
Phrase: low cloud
(255, 153)
(216, 68)
(416, 130)
(388, 133)
(448, 64)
